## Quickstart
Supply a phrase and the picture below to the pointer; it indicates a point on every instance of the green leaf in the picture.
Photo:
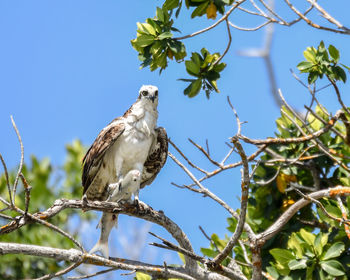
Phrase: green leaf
(340, 73)
(196, 58)
(232, 224)
(200, 10)
(156, 47)
(310, 55)
(144, 40)
(148, 28)
(209, 252)
(320, 241)
(312, 77)
(297, 264)
(165, 35)
(332, 267)
(220, 243)
(282, 256)
(154, 24)
(309, 271)
(294, 243)
(160, 14)
(305, 65)
(321, 47)
(334, 251)
(219, 67)
(334, 53)
(192, 68)
(142, 276)
(170, 4)
(162, 61)
(195, 88)
(307, 236)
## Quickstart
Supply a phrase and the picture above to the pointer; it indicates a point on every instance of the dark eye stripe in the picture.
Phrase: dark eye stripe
(156, 93)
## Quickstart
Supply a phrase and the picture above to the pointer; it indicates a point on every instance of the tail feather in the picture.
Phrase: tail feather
(102, 248)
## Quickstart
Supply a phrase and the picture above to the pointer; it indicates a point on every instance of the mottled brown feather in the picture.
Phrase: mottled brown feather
(103, 141)
(156, 159)
(93, 157)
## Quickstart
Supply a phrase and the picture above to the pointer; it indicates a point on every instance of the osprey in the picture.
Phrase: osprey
(129, 143)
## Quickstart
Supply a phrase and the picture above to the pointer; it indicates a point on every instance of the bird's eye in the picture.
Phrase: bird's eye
(144, 93)
(156, 93)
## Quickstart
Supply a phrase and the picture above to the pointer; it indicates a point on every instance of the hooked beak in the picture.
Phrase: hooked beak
(151, 98)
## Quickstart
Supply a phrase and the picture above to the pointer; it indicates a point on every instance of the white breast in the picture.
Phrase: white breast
(133, 145)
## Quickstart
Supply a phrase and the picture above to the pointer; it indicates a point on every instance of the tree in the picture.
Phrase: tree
(292, 223)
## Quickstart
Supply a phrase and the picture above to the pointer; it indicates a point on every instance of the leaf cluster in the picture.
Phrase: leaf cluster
(156, 44)
(205, 67)
(322, 61)
(308, 256)
(154, 41)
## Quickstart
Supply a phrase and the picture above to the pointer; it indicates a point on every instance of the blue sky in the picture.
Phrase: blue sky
(67, 68)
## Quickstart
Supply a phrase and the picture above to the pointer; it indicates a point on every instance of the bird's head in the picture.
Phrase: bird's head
(149, 93)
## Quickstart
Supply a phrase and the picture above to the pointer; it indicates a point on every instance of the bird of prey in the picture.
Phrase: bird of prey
(131, 142)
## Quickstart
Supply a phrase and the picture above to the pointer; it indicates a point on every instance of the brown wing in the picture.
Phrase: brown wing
(92, 159)
(156, 158)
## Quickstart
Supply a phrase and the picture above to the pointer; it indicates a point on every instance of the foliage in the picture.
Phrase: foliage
(154, 41)
(311, 245)
(308, 256)
(206, 69)
(155, 44)
(48, 184)
(322, 61)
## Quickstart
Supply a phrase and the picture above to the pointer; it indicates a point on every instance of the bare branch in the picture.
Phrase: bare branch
(244, 203)
(201, 187)
(142, 211)
(326, 15)
(293, 209)
(77, 256)
(309, 22)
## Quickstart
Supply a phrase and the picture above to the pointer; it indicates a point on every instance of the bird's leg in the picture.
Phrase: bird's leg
(136, 191)
(136, 197)
(85, 202)
(114, 188)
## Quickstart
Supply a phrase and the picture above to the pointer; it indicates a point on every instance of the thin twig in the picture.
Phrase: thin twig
(205, 153)
(92, 275)
(21, 161)
(228, 44)
(27, 190)
(214, 25)
(186, 158)
(7, 179)
(59, 273)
